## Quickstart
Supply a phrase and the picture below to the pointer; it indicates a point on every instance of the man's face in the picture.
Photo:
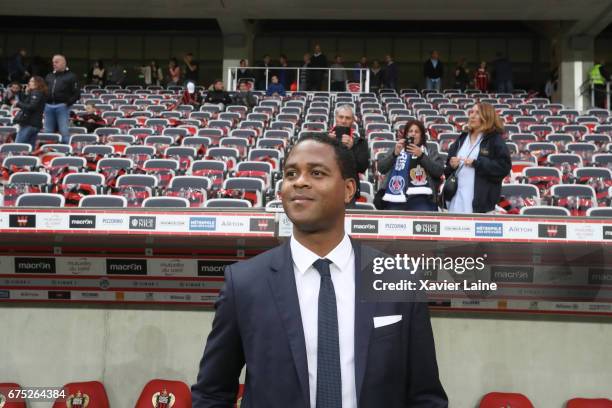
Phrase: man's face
(338, 60)
(306, 57)
(90, 108)
(189, 57)
(363, 61)
(242, 87)
(275, 80)
(59, 63)
(15, 88)
(344, 118)
(218, 86)
(314, 194)
(317, 49)
(267, 59)
(23, 53)
(434, 55)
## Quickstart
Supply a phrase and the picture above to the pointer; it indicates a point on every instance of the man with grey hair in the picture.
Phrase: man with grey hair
(345, 119)
(63, 93)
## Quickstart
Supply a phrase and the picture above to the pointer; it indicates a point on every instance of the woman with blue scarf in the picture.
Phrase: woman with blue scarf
(413, 172)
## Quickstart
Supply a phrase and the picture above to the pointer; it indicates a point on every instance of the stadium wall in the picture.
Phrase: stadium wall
(550, 359)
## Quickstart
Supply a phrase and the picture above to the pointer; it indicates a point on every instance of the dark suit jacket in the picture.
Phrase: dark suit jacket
(258, 322)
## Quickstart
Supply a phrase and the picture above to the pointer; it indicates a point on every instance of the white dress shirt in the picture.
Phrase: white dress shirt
(308, 282)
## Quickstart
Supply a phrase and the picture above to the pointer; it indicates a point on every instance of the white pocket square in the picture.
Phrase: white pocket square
(380, 321)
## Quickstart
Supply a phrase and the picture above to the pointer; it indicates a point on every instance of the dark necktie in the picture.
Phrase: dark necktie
(329, 384)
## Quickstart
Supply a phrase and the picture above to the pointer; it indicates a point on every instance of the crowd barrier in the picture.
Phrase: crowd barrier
(125, 256)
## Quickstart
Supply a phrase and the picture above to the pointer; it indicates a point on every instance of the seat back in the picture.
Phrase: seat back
(505, 399)
(91, 391)
(157, 392)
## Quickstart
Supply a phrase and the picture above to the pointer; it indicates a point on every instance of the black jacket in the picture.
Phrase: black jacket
(431, 72)
(431, 161)
(218, 97)
(245, 99)
(492, 166)
(63, 87)
(33, 106)
(361, 152)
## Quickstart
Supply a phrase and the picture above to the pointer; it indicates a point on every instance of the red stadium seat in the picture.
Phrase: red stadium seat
(505, 400)
(78, 392)
(164, 394)
(589, 403)
(4, 397)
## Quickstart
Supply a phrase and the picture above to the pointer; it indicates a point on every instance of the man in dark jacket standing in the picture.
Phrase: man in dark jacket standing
(63, 93)
(434, 71)
(318, 60)
(357, 145)
(390, 74)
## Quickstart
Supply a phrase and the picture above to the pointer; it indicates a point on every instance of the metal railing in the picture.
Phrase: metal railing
(363, 81)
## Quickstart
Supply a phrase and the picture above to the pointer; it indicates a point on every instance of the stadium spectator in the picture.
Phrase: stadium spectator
(413, 172)
(117, 75)
(551, 84)
(433, 70)
(191, 96)
(243, 72)
(306, 75)
(31, 105)
(462, 75)
(263, 74)
(285, 75)
(318, 60)
(275, 88)
(174, 72)
(218, 95)
(97, 75)
(362, 64)
(376, 76)
(390, 73)
(480, 160)
(344, 118)
(91, 119)
(11, 94)
(64, 91)
(502, 73)
(192, 69)
(338, 76)
(599, 76)
(482, 77)
(244, 96)
(16, 68)
(152, 74)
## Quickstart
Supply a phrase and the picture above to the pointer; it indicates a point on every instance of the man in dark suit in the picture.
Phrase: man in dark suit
(293, 316)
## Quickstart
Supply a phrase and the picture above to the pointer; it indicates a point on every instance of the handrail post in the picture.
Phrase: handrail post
(298, 80)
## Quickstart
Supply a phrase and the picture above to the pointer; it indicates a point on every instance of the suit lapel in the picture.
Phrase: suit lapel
(284, 291)
(364, 313)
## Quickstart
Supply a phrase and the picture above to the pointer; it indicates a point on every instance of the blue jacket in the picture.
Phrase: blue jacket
(275, 88)
(258, 323)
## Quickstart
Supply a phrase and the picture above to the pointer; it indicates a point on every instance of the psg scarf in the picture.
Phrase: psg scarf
(398, 180)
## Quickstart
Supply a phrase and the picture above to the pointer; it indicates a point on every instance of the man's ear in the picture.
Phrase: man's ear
(350, 188)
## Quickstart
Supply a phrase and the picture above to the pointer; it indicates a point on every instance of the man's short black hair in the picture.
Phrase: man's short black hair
(14, 83)
(344, 157)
